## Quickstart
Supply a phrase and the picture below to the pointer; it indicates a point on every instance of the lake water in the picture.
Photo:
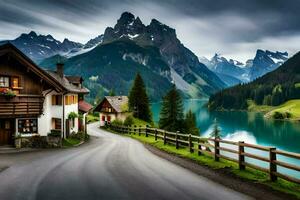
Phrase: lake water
(246, 126)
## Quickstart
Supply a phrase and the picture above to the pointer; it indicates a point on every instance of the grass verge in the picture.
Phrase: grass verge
(206, 160)
(292, 107)
(70, 142)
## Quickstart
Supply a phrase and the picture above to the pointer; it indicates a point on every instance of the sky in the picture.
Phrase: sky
(232, 28)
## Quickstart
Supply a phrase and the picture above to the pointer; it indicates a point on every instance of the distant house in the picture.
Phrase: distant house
(112, 108)
(35, 102)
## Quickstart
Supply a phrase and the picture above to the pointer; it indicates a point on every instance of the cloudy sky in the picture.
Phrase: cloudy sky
(233, 28)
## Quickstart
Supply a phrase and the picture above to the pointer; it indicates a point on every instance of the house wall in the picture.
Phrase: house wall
(68, 110)
(114, 116)
(53, 111)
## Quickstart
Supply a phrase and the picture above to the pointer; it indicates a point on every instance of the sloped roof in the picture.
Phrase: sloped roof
(119, 103)
(10, 48)
(67, 84)
(74, 79)
(84, 106)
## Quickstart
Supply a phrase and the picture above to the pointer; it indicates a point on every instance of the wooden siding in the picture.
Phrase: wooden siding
(21, 106)
(29, 100)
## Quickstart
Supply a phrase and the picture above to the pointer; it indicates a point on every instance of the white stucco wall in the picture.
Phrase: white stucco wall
(68, 110)
(53, 111)
(114, 116)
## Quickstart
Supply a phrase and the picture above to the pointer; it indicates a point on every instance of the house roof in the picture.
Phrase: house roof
(60, 84)
(68, 84)
(84, 106)
(119, 103)
(75, 79)
(12, 50)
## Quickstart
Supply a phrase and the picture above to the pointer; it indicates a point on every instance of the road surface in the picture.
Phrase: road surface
(108, 167)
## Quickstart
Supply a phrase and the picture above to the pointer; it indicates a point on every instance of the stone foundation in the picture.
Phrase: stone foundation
(38, 142)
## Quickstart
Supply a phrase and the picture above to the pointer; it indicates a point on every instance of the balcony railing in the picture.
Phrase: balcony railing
(21, 106)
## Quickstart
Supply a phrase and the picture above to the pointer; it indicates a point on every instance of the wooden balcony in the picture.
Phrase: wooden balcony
(21, 106)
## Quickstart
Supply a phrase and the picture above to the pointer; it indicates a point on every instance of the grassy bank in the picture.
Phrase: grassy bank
(92, 118)
(206, 160)
(70, 142)
(292, 107)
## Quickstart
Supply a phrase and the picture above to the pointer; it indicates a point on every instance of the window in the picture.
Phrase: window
(27, 126)
(108, 118)
(56, 123)
(15, 82)
(56, 100)
(71, 99)
(4, 81)
(7, 125)
(103, 118)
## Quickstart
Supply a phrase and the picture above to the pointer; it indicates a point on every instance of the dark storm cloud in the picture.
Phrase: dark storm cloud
(203, 25)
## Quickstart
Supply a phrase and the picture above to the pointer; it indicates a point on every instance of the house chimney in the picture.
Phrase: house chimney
(60, 69)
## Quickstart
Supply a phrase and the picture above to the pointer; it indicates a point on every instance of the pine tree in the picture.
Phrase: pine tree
(190, 126)
(112, 93)
(216, 132)
(139, 101)
(171, 115)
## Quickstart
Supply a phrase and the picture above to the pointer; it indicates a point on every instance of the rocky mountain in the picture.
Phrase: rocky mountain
(266, 61)
(233, 72)
(273, 88)
(184, 64)
(139, 42)
(39, 47)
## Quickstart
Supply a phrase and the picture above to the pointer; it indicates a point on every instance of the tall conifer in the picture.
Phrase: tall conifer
(171, 115)
(139, 101)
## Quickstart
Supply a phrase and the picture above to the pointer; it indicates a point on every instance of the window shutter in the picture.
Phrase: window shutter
(53, 100)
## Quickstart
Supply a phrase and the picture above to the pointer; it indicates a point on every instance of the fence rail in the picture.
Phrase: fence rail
(214, 147)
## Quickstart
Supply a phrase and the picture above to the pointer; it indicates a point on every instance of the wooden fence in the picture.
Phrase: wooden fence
(218, 147)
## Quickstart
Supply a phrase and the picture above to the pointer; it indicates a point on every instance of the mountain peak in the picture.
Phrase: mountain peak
(32, 33)
(126, 18)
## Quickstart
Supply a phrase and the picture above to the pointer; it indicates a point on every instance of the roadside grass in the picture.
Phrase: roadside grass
(70, 142)
(139, 122)
(92, 118)
(206, 160)
(292, 107)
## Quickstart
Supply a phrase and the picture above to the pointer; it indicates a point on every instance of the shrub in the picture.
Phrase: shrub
(55, 133)
(129, 121)
(278, 115)
(79, 135)
(72, 115)
(117, 122)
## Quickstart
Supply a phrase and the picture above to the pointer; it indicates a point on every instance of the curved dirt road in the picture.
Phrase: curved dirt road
(108, 167)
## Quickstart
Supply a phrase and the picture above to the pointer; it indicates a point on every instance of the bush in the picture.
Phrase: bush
(129, 121)
(79, 136)
(55, 133)
(117, 122)
(280, 116)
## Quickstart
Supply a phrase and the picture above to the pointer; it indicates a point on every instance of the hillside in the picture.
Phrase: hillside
(114, 66)
(271, 89)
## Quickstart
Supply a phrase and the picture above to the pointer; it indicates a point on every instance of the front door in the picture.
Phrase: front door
(6, 131)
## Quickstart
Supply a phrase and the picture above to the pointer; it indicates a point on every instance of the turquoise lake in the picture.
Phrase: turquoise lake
(246, 126)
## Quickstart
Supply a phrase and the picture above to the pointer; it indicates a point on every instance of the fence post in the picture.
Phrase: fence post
(241, 155)
(176, 139)
(273, 166)
(199, 147)
(134, 129)
(155, 134)
(190, 144)
(165, 138)
(139, 130)
(146, 130)
(217, 150)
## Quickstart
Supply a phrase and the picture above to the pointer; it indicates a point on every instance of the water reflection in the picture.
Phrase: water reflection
(249, 127)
